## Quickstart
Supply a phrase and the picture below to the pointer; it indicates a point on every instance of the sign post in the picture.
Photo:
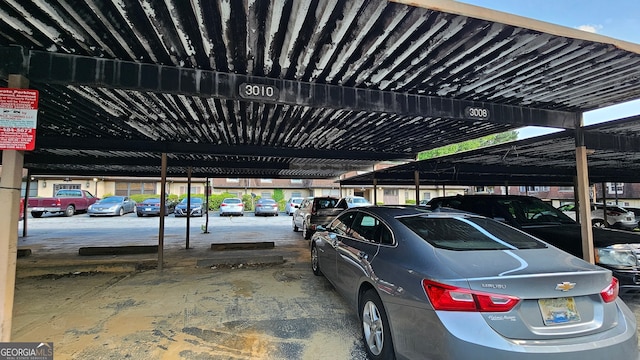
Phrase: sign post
(18, 119)
(18, 110)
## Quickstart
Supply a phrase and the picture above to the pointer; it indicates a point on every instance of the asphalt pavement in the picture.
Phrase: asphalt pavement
(205, 304)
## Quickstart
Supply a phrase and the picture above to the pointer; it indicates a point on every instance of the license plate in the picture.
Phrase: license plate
(147, 209)
(559, 311)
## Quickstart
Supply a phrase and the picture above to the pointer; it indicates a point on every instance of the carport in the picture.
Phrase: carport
(612, 153)
(286, 89)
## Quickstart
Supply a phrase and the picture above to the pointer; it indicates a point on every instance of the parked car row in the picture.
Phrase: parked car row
(121, 205)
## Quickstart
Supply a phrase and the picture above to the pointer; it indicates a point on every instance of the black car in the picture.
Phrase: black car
(614, 249)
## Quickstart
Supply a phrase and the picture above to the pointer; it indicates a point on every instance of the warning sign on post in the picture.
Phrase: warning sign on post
(18, 118)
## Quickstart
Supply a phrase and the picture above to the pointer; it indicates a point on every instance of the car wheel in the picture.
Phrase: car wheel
(375, 327)
(121, 212)
(36, 214)
(69, 211)
(139, 214)
(597, 223)
(315, 265)
(295, 227)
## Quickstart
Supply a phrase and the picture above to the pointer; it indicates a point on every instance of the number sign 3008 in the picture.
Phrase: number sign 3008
(258, 91)
(476, 113)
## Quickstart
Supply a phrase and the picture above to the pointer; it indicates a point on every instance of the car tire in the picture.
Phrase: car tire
(598, 223)
(121, 212)
(376, 333)
(69, 211)
(139, 214)
(315, 264)
(36, 214)
(295, 227)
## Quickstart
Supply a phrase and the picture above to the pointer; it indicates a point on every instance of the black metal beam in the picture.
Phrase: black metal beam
(195, 148)
(617, 143)
(66, 69)
(147, 159)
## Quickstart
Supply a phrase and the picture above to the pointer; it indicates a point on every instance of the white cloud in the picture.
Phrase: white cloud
(590, 28)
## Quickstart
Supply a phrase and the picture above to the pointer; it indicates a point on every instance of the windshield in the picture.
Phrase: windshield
(469, 233)
(531, 211)
(193, 201)
(360, 201)
(112, 199)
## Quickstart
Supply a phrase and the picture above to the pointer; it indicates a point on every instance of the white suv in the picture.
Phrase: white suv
(617, 216)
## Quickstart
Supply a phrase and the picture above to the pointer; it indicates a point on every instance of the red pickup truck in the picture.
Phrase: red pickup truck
(67, 201)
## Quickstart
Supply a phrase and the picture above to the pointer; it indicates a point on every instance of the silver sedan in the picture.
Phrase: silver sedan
(112, 206)
(442, 285)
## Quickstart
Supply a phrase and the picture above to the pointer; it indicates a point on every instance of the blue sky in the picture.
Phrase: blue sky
(618, 19)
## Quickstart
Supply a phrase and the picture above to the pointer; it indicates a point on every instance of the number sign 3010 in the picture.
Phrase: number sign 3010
(258, 91)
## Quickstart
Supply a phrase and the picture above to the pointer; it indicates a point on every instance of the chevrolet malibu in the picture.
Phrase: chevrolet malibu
(450, 285)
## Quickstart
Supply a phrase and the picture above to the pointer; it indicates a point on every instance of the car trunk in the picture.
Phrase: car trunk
(555, 302)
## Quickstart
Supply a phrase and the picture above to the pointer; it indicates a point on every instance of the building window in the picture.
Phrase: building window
(57, 187)
(565, 188)
(266, 181)
(330, 192)
(426, 196)
(265, 195)
(194, 190)
(133, 188)
(615, 188)
(233, 180)
(296, 194)
(296, 181)
(531, 189)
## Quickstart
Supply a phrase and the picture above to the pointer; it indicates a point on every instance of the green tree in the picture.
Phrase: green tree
(484, 141)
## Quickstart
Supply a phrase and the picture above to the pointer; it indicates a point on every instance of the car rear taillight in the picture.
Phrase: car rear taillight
(452, 298)
(610, 293)
(223, 204)
(241, 204)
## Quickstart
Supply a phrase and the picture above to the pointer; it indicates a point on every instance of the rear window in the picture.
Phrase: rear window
(325, 203)
(469, 233)
(232, 201)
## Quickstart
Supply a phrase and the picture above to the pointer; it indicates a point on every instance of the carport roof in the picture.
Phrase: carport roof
(612, 149)
(355, 83)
